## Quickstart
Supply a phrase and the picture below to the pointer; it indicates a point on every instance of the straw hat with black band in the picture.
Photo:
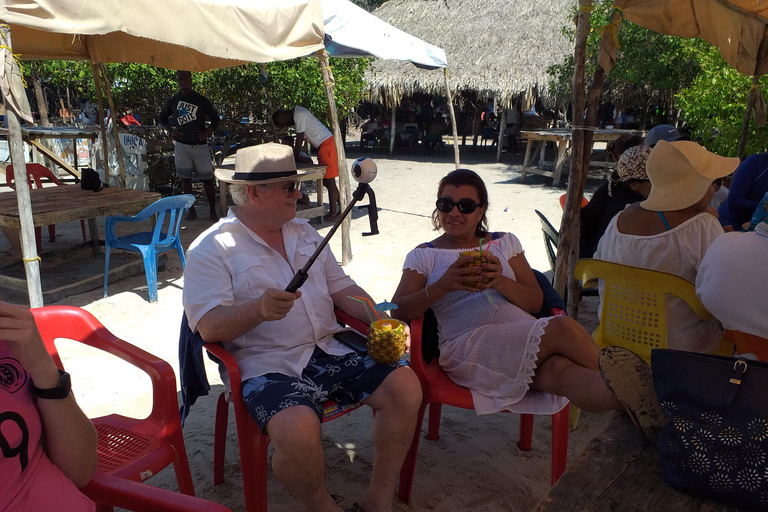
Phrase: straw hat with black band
(267, 163)
(681, 172)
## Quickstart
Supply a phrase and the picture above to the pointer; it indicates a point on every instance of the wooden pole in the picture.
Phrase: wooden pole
(270, 102)
(502, 125)
(751, 99)
(456, 155)
(102, 126)
(747, 114)
(28, 244)
(346, 194)
(578, 180)
(392, 131)
(566, 235)
(118, 145)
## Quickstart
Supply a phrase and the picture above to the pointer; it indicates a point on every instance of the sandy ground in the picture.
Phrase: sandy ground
(475, 465)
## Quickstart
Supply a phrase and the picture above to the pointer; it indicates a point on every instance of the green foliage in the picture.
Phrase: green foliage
(299, 82)
(650, 67)
(714, 105)
(235, 91)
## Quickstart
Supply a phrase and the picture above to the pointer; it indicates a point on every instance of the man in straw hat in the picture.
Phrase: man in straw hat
(234, 282)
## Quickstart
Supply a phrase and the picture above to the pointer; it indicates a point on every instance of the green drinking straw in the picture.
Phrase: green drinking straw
(480, 244)
(367, 301)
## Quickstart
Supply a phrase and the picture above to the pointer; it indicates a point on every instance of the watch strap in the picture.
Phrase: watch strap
(60, 392)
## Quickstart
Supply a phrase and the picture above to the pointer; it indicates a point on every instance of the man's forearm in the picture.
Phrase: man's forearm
(226, 323)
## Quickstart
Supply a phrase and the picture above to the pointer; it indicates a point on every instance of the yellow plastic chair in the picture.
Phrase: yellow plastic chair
(634, 312)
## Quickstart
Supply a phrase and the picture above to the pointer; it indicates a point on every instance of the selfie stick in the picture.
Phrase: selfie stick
(363, 171)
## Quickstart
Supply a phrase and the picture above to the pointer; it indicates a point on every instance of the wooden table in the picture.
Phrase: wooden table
(620, 471)
(562, 141)
(52, 205)
(33, 134)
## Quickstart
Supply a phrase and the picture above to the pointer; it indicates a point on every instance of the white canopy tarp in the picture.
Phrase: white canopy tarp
(353, 32)
(197, 35)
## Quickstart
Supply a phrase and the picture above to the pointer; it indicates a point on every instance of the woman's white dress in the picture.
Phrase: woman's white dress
(487, 344)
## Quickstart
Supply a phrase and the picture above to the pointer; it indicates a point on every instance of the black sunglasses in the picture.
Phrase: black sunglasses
(290, 189)
(465, 205)
(718, 183)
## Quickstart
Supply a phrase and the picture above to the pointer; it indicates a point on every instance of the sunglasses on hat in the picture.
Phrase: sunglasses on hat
(465, 205)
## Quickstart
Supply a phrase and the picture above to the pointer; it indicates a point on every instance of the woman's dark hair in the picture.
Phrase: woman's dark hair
(617, 147)
(458, 178)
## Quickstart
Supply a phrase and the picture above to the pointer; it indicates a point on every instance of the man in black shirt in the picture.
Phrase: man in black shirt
(184, 118)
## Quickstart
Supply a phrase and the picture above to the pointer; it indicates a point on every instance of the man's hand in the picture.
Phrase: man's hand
(275, 304)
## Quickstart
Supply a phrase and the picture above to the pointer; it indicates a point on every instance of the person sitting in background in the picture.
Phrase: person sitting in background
(618, 146)
(628, 184)
(48, 444)
(506, 357)
(301, 158)
(732, 280)
(672, 229)
(748, 186)
(369, 131)
(411, 132)
(665, 132)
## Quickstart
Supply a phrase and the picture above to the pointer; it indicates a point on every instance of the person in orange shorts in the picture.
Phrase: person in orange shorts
(310, 128)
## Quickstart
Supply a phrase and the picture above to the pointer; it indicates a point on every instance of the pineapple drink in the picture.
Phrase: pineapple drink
(478, 258)
(386, 340)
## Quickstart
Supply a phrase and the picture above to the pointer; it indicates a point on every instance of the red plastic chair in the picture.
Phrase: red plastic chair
(584, 201)
(439, 389)
(134, 449)
(251, 441)
(127, 494)
(747, 343)
(36, 173)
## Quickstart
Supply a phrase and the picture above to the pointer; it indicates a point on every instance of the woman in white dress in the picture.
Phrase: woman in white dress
(489, 342)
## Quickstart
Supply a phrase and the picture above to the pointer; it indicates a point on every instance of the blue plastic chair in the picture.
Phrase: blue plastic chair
(150, 243)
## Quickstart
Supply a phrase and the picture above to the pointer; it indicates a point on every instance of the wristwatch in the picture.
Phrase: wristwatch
(59, 392)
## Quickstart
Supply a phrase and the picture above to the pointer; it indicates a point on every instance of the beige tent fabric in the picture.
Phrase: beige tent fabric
(11, 83)
(735, 26)
(197, 35)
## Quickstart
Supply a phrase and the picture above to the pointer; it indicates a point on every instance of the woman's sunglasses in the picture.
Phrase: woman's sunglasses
(718, 183)
(465, 205)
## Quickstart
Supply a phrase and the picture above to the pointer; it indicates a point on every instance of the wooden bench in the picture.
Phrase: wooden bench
(620, 470)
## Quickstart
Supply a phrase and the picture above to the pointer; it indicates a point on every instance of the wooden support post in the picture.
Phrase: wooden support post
(502, 126)
(346, 193)
(102, 126)
(751, 98)
(566, 236)
(270, 101)
(16, 144)
(393, 129)
(456, 155)
(118, 145)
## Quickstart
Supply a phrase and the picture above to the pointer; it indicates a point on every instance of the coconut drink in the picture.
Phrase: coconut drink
(386, 340)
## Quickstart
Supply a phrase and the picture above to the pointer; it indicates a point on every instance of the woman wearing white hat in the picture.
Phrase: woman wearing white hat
(672, 229)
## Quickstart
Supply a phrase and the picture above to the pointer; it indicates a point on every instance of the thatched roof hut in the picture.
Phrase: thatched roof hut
(494, 47)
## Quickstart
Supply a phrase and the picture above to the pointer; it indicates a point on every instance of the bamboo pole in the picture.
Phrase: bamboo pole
(28, 244)
(566, 235)
(456, 155)
(325, 69)
(102, 126)
(118, 146)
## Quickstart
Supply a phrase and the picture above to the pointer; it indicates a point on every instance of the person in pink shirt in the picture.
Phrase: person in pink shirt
(47, 444)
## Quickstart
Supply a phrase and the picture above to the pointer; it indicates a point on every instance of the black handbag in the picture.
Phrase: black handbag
(716, 443)
(90, 180)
